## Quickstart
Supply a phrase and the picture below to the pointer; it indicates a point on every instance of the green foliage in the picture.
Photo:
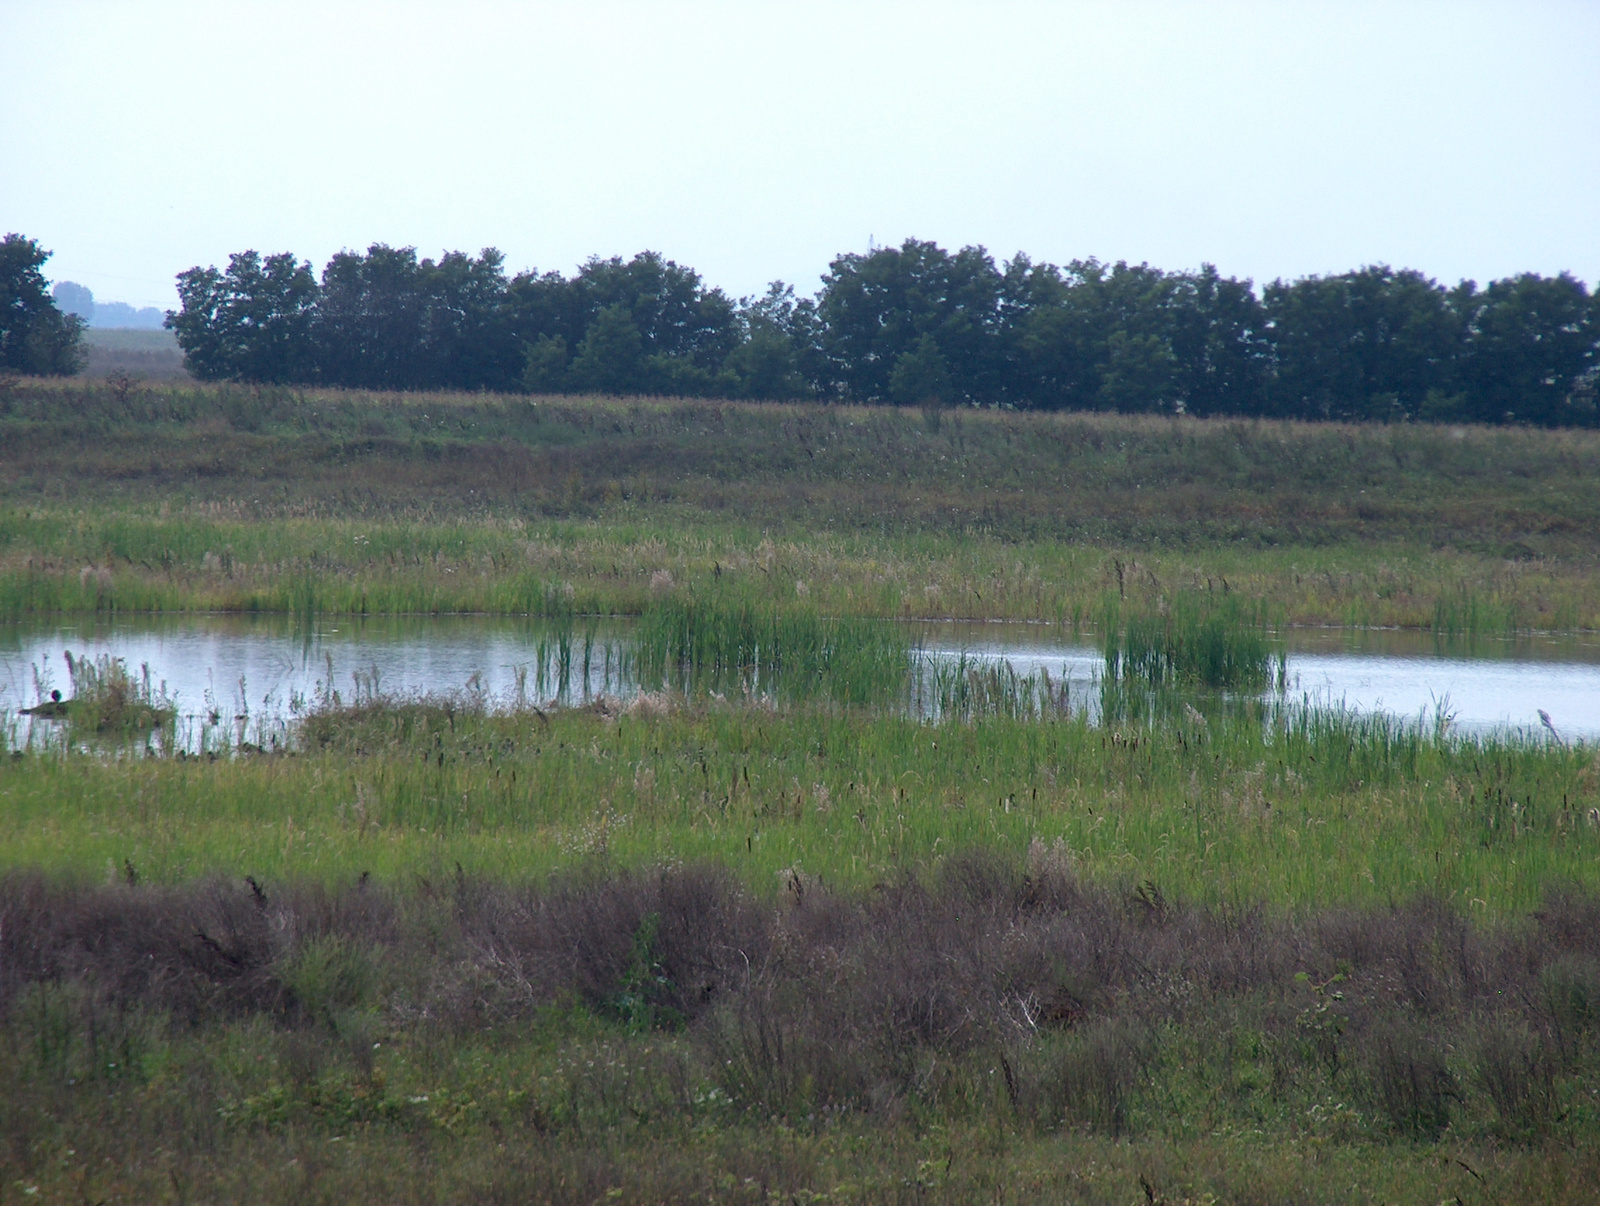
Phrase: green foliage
(611, 358)
(328, 977)
(545, 367)
(35, 336)
(638, 1004)
(920, 377)
(251, 323)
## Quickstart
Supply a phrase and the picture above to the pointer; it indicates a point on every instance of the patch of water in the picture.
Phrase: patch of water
(248, 676)
(1487, 684)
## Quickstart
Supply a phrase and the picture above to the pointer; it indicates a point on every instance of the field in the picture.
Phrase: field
(704, 945)
(149, 355)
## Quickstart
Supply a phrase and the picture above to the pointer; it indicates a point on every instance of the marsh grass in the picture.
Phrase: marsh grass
(718, 643)
(1193, 640)
(193, 497)
(110, 700)
(968, 688)
(1241, 801)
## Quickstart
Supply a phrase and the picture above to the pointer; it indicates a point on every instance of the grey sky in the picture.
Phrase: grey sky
(757, 140)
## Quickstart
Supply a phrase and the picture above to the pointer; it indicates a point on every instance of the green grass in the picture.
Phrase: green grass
(1307, 811)
(1194, 640)
(765, 546)
(207, 497)
(693, 645)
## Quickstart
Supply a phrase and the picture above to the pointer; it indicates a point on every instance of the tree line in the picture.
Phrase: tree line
(914, 324)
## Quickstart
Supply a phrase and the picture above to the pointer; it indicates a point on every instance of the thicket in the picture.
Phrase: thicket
(915, 325)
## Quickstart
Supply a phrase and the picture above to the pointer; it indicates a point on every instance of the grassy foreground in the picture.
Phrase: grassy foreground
(1232, 812)
(730, 952)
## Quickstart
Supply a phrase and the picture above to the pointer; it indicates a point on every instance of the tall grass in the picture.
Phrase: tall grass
(1264, 803)
(108, 698)
(1195, 640)
(967, 688)
(216, 497)
(715, 643)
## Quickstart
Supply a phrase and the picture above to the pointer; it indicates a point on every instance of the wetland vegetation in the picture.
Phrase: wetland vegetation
(806, 944)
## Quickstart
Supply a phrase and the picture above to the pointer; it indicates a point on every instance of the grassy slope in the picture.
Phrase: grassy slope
(420, 503)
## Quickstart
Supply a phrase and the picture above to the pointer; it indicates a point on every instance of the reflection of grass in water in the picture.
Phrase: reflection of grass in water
(107, 698)
(1196, 640)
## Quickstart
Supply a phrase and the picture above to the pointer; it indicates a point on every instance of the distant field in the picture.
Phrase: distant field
(151, 355)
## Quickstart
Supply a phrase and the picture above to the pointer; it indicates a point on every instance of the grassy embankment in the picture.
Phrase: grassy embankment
(811, 951)
(189, 497)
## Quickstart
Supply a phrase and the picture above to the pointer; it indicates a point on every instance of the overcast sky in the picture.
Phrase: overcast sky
(758, 140)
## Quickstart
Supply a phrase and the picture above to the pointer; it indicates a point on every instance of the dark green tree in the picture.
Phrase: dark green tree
(920, 377)
(686, 331)
(1531, 351)
(1217, 331)
(768, 362)
(388, 320)
(35, 336)
(1366, 344)
(545, 365)
(250, 323)
(1139, 373)
(673, 311)
(611, 359)
(875, 308)
(1102, 337)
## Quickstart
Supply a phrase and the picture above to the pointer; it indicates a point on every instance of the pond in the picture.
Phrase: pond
(253, 674)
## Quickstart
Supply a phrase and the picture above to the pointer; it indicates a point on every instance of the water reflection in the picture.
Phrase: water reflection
(245, 678)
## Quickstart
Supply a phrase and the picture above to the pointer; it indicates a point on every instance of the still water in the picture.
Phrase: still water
(254, 674)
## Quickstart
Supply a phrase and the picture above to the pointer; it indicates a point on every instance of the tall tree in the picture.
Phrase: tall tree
(35, 336)
(1219, 340)
(1102, 338)
(611, 359)
(778, 343)
(1531, 353)
(250, 323)
(875, 308)
(920, 376)
(388, 320)
(1366, 344)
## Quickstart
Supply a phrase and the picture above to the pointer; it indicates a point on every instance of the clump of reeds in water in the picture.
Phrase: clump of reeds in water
(969, 688)
(1195, 640)
(108, 698)
(705, 644)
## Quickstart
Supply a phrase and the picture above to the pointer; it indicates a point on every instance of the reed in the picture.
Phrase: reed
(969, 689)
(702, 644)
(1195, 640)
(109, 699)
